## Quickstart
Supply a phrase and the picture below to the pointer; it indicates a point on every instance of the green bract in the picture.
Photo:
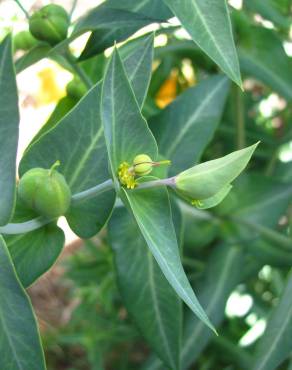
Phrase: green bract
(45, 191)
(208, 179)
(50, 24)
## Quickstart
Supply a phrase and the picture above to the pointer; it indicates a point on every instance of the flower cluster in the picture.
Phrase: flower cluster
(126, 175)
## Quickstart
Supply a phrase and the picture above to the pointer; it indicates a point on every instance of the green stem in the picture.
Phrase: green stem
(22, 8)
(77, 69)
(24, 227)
(239, 117)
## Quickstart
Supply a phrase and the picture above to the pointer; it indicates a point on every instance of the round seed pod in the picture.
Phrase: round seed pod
(50, 24)
(142, 164)
(45, 191)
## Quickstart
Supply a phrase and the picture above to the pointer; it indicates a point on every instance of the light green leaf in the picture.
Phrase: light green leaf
(126, 131)
(206, 179)
(185, 127)
(19, 337)
(275, 345)
(152, 212)
(209, 25)
(149, 298)
(9, 119)
(262, 56)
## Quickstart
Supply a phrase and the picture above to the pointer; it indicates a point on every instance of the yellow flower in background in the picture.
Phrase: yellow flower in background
(52, 85)
(168, 90)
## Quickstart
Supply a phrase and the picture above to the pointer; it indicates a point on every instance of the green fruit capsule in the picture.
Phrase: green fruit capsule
(50, 24)
(142, 164)
(45, 191)
(24, 41)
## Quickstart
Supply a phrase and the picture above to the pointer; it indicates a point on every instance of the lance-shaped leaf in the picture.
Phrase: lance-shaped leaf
(185, 127)
(152, 213)
(276, 343)
(126, 131)
(19, 336)
(128, 135)
(9, 119)
(149, 298)
(207, 179)
(209, 25)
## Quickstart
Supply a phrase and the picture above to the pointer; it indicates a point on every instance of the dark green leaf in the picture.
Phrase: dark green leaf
(34, 253)
(149, 298)
(9, 119)
(222, 275)
(19, 337)
(185, 127)
(152, 212)
(209, 25)
(262, 56)
(276, 343)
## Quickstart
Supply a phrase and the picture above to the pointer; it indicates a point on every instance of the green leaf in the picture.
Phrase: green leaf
(275, 345)
(114, 21)
(19, 337)
(223, 273)
(137, 56)
(78, 143)
(209, 25)
(262, 56)
(268, 10)
(63, 107)
(151, 8)
(206, 179)
(152, 213)
(149, 298)
(35, 252)
(9, 119)
(126, 131)
(185, 127)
